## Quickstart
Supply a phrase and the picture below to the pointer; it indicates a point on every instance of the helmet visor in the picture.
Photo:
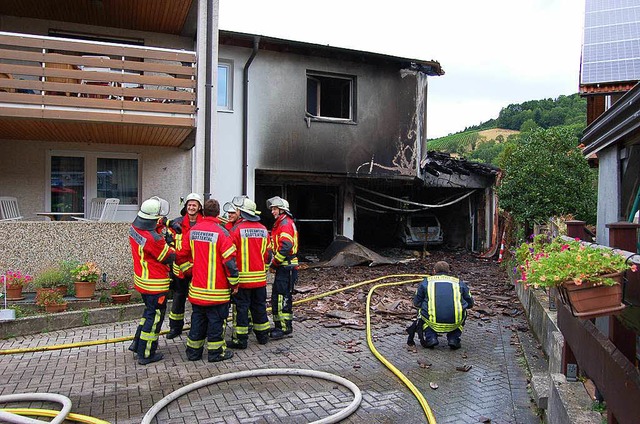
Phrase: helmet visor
(229, 208)
(164, 206)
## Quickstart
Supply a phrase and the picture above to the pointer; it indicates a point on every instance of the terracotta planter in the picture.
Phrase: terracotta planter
(14, 293)
(590, 301)
(62, 289)
(55, 307)
(118, 299)
(85, 289)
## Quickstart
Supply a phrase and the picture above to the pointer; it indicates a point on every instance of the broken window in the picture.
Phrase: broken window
(330, 96)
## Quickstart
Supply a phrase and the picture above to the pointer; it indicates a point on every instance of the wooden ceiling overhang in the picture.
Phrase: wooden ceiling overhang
(164, 16)
(96, 132)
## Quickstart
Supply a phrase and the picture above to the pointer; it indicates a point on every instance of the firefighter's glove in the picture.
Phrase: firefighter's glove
(162, 222)
(168, 237)
(175, 226)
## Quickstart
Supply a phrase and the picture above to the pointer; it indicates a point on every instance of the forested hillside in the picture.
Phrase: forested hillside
(486, 141)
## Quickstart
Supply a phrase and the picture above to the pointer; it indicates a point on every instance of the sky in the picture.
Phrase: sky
(494, 52)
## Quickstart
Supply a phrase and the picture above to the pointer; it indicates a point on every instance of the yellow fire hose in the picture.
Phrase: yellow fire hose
(423, 403)
(35, 412)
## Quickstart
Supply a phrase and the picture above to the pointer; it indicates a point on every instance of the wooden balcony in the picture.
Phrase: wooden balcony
(59, 89)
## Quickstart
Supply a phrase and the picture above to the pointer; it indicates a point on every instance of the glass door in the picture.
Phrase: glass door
(67, 184)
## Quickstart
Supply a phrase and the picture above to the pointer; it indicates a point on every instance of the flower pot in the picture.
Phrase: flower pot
(62, 289)
(118, 299)
(14, 293)
(55, 307)
(590, 301)
(85, 289)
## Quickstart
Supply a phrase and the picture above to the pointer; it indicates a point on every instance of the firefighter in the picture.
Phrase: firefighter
(212, 254)
(152, 260)
(251, 239)
(231, 211)
(190, 215)
(284, 241)
(443, 302)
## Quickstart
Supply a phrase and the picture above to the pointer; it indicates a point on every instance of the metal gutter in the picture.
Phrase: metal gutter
(614, 124)
(208, 102)
(245, 115)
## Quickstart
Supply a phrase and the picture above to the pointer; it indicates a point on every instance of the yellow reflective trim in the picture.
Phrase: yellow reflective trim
(261, 327)
(195, 344)
(229, 251)
(164, 252)
(176, 317)
(216, 345)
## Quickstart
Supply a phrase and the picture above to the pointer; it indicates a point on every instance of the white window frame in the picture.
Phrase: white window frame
(91, 175)
(228, 65)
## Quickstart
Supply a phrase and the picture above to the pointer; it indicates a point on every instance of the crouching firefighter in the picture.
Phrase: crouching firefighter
(152, 260)
(443, 302)
(284, 241)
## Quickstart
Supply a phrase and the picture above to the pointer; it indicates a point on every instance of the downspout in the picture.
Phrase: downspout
(245, 116)
(208, 102)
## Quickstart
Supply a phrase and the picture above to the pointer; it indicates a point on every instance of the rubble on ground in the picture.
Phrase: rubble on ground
(488, 281)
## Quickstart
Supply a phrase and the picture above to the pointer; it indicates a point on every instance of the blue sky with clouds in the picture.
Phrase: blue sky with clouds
(494, 52)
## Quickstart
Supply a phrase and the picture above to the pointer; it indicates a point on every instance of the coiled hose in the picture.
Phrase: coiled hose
(169, 398)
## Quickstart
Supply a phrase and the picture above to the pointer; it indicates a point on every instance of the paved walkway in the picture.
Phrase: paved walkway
(104, 381)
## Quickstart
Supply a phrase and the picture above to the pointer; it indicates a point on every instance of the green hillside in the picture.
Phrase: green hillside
(485, 142)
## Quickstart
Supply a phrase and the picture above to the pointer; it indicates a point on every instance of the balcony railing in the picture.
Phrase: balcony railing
(58, 78)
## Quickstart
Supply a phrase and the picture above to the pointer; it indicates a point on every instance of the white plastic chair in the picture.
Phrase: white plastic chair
(9, 210)
(102, 210)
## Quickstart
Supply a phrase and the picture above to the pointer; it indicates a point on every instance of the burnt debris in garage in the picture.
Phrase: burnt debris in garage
(453, 194)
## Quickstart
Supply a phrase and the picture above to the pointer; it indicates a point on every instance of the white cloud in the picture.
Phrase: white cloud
(494, 52)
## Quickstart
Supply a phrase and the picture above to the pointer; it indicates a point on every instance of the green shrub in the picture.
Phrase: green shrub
(49, 277)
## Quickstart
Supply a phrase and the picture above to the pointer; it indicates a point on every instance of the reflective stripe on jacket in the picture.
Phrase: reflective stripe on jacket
(442, 301)
(149, 251)
(252, 243)
(284, 240)
(209, 247)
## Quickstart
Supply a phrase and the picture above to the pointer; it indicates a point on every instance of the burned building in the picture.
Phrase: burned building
(334, 131)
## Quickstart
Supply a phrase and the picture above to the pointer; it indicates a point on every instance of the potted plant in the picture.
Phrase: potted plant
(67, 266)
(587, 277)
(120, 292)
(16, 280)
(49, 278)
(86, 276)
(51, 300)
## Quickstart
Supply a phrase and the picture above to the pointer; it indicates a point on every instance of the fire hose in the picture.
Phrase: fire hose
(243, 374)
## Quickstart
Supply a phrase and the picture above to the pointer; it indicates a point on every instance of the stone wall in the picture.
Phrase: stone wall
(31, 246)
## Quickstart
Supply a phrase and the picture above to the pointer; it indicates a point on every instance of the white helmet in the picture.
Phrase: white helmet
(248, 210)
(278, 202)
(192, 196)
(154, 208)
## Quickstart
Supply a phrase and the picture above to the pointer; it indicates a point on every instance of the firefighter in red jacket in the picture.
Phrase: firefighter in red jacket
(214, 277)
(251, 239)
(191, 214)
(152, 259)
(284, 241)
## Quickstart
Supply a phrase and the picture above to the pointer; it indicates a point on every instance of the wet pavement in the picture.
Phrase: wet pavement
(106, 382)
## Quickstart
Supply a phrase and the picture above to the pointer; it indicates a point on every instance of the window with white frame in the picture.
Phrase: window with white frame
(74, 178)
(225, 86)
(331, 96)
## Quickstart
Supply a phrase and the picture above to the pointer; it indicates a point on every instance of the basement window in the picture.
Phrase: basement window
(331, 97)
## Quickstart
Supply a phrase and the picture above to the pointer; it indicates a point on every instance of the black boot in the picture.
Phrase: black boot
(217, 357)
(454, 343)
(237, 344)
(153, 358)
(276, 334)
(174, 332)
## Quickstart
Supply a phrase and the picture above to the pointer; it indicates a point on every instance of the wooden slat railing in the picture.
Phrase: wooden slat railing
(57, 78)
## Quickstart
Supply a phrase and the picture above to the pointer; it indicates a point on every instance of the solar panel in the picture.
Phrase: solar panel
(611, 46)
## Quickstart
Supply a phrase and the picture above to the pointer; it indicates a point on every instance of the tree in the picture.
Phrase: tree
(546, 175)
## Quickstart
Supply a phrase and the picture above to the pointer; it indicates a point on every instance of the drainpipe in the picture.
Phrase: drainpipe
(208, 101)
(245, 116)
